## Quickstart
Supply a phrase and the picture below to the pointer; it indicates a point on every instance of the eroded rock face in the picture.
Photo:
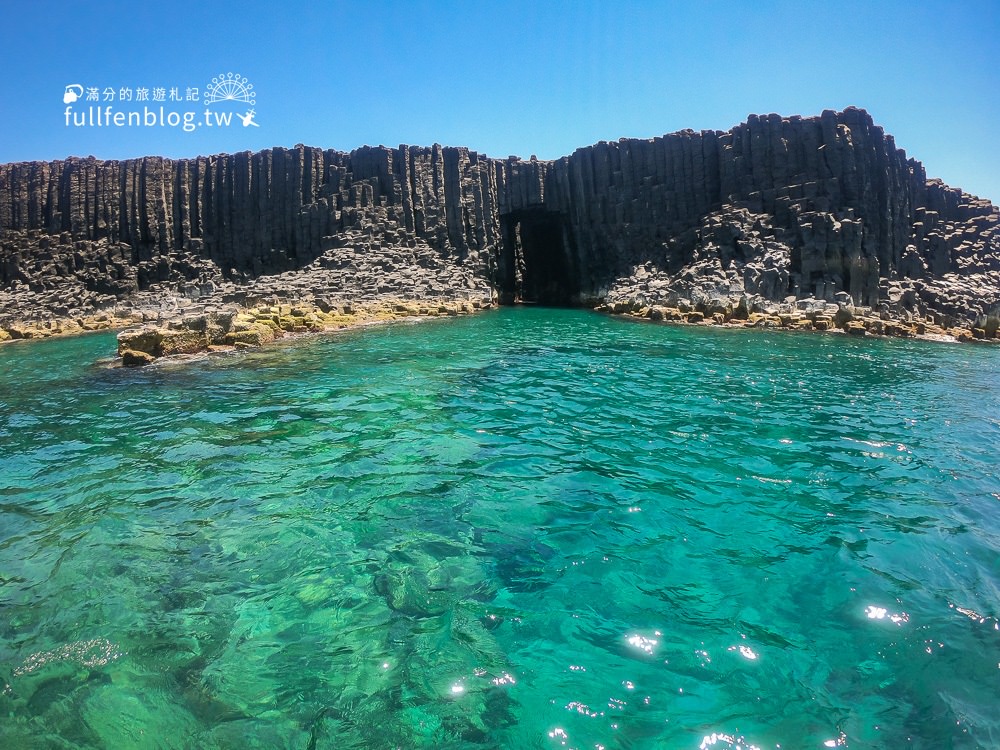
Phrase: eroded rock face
(776, 207)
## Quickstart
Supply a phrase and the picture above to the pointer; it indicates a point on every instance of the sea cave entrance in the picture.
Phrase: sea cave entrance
(538, 259)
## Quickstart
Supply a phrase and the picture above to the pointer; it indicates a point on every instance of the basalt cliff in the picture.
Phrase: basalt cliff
(816, 216)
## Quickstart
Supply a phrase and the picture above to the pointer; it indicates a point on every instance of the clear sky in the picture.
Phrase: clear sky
(501, 78)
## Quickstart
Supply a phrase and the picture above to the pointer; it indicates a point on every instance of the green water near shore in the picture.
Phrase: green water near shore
(524, 529)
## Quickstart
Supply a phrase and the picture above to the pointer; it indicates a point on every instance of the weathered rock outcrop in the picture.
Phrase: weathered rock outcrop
(778, 207)
(256, 326)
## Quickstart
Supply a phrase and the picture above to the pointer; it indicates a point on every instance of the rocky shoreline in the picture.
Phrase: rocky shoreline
(806, 315)
(248, 328)
(358, 282)
(147, 335)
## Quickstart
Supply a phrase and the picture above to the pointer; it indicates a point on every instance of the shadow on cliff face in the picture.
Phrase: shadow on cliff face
(538, 259)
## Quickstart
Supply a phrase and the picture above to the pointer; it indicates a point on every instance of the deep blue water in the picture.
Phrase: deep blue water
(526, 529)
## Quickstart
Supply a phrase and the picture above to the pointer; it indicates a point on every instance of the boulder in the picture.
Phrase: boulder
(132, 358)
(256, 334)
(162, 341)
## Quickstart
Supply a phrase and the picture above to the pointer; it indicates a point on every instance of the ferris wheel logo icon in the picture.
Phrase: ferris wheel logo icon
(230, 87)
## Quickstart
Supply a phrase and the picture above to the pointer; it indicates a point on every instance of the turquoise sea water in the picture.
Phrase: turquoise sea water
(526, 529)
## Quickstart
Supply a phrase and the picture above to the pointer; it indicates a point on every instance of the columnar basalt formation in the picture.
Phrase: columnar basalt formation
(824, 208)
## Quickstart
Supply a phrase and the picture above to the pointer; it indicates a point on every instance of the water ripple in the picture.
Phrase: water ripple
(527, 529)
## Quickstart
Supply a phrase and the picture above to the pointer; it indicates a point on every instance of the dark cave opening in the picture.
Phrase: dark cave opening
(538, 260)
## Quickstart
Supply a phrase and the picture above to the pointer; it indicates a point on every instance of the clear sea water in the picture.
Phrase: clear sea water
(526, 529)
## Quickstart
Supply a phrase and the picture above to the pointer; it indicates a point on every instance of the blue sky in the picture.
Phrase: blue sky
(504, 78)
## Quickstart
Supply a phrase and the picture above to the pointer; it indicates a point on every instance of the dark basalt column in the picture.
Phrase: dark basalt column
(810, 206)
